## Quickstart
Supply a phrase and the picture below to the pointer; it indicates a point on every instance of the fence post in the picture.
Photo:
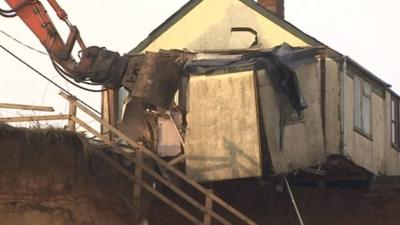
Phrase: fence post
(137, 184)
(208, 206)
(72, 112)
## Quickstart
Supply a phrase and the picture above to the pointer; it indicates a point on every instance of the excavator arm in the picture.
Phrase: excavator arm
(152, 77)
(96, 65)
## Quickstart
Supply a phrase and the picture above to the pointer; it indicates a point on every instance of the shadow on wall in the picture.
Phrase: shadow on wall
(234, 162)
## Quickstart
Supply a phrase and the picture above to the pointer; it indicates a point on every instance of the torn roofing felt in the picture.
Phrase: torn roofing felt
(279, 63)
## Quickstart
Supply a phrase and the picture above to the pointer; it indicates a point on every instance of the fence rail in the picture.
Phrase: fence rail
(26, 107)
(206, 207)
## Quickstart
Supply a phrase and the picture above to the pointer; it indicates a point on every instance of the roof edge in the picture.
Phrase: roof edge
(281, 22)
(185, 9)
(168, 23)
(339, 57)
(371, 75)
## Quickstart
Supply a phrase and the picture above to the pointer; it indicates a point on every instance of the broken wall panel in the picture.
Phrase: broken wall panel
(222, 139)
(332, 107)
(302, 140)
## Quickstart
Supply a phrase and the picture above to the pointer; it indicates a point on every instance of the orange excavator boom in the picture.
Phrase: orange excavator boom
(96, 64)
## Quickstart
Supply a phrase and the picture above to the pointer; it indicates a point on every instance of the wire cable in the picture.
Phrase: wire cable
(7, 11)
(8, 15)
(61, 73)
(21, 43)
(17, 7)
(13, 12)
(66, 74)
(59, 70)
(43, 76)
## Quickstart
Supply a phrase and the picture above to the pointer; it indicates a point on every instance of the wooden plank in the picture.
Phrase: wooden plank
(27, 107)
(104, 111)
(172, 204)
(72, 112)
(165, 164)
(113, 106)
(179, 192)
(33, 118)
(150, 189)
(177, 160)
(109, 108)
(209, 206)
(138, 175)
(90, 129)
(137, 190)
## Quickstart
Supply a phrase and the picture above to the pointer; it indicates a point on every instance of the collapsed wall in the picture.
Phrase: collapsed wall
(47, 177)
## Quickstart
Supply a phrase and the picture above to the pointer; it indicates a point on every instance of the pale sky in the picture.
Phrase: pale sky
(366, 30)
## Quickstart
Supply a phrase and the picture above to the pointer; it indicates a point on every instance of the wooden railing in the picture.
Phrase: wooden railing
(207, 208)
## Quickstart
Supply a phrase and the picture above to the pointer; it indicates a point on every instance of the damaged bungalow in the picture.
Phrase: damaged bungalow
(262, 97)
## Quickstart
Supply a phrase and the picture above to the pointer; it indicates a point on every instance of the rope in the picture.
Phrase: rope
(43, 76)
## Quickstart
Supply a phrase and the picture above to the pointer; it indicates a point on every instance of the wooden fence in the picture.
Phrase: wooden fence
(207, 208)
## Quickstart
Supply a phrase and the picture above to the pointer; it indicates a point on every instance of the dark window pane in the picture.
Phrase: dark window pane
(393, 133)
(393, 110)
(367, 89)
(366, 115)
(397, 122)
(357, 103)
(291, 116)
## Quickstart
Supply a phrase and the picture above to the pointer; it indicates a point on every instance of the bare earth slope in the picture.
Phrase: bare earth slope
(48, 178)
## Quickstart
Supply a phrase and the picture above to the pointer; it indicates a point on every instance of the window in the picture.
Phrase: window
(395, 124)
(291, 115)
(362, 106)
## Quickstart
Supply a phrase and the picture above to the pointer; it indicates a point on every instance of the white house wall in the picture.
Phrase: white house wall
(208, 27)
(363, 151)
(391, 164)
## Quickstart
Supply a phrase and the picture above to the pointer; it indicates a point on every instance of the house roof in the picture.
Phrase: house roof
(184, 10)
(367, 72)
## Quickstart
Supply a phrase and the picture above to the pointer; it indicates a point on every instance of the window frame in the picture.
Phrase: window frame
(395, 112)
(291, 117)
(362, 95)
